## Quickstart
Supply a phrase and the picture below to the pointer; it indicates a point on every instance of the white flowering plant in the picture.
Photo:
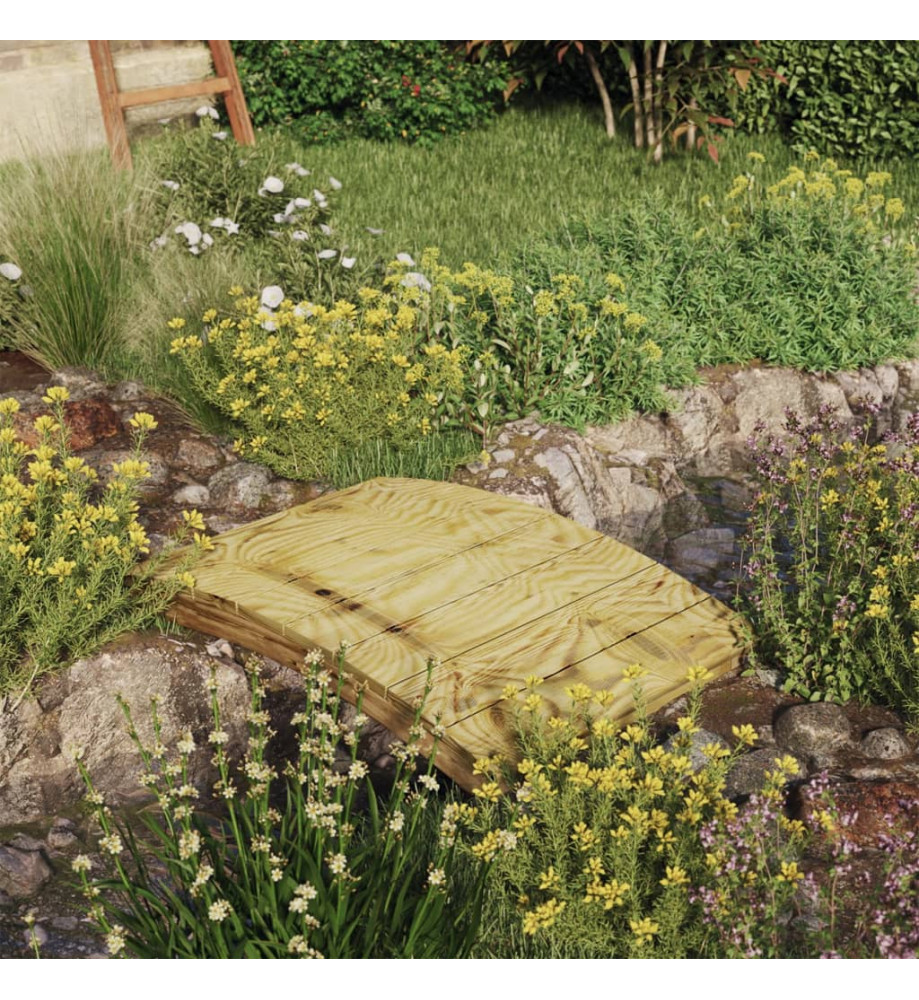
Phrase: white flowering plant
(216, 196)
(340, 871)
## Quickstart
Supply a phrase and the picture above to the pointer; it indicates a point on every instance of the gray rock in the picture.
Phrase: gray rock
(23, 842)
(22, 873)
(79, 382)
(503, 455)
(748, 775)
(193, 495)
(702, 550)
(35, 935)
(819, 729)
(697, 741)
(885, 744)
(128, 392)
(78, 708)
(498, 474)
(198, 456)
(240, 485)
(59, 838)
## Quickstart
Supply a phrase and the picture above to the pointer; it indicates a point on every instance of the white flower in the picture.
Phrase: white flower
(429, 782)
(374, 232)
(194, 250)
(231, 227)
(348, 262)
(323, 228)
(405, 258)
(318, 197)
(436, 877)
(327, 254)
(190, 231)
(299, 235)
(414, 279)
(186, 745)
(302, 203)
(207, 240)
(159, 242)
(10, 271)
(219, 911)
(205, 111)
(334, 184)
(273, 185)
(295, 168)
(269, 326)
(281, 217)
(219, 136)
(172, 185)
(272, 296)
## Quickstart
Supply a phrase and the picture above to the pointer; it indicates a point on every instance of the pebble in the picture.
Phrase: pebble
(886, 744)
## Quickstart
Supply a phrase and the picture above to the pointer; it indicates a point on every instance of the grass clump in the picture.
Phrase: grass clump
(832, 573)
(76, 228)
(335, 872)
(69, 579)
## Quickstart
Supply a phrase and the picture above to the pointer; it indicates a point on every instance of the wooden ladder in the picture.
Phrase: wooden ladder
(114, 101)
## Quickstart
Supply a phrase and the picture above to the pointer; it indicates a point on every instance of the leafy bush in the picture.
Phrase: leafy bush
(576, 352)
(848, 98)
(68, 576)
(418, 91)
(623, 851)
(799, 273)
(324, 877)
(305, 383)
(831, 561)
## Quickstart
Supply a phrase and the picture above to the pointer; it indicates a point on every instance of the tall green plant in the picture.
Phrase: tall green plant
(77, 228)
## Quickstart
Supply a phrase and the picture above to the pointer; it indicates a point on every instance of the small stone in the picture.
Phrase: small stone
(697, 741)
(768, 676)
(22, 873)
(812, 729)
(65, 923)
(220, 648)
(23, 842)
(193, 495)
(886, 744)
(240, 485)
(503, 455)
(476, 467)
(5, 901)
(128, 392)
(748, 775)
(59, 838)
(541, 433)
(198, 456)
(35, 935)
(498, 474)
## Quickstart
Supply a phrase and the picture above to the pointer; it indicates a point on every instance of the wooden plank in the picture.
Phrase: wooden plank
(689, 638)
(112, 116)
(624, 612)
(173, 92)
(463, 625)
(234, 99)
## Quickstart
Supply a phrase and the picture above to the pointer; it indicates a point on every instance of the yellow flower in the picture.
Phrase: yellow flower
(186, 579)
(549, 879)
(489, 790)
(176, 323)
(790, 872)
(61, 568)
(633, 672)
(542, 917)
(675, 876)
(644, 929)
(756, 157)
(745, 734)
(56, 394)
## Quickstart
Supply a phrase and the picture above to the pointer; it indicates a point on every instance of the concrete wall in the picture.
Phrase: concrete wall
(48, 96)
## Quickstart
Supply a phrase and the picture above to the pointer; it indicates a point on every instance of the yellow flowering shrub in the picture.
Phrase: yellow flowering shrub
(69, 548)
(613, 856)
(306, 381)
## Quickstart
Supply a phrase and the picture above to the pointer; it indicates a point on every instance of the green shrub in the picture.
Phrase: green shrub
(10, 301)
(796, 273)
(305, 384)
(832, 586)
(323, 877)
(68, 576)
(418, 91)
(856, 98)
(574, 351)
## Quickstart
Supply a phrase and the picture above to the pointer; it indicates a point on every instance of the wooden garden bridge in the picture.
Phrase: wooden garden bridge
(493, 589)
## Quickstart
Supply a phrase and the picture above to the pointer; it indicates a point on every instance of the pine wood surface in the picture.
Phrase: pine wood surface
(493, 589)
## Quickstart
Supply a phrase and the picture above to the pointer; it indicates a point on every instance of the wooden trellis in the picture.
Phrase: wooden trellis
(115, 101)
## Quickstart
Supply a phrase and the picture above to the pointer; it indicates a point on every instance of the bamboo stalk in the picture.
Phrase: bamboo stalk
(659, 102)
(636, 100)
